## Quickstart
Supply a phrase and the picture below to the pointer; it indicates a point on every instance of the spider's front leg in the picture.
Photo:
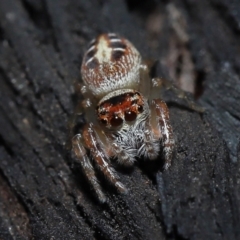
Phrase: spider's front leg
(80, 153)
(92, 141)
(162, 128)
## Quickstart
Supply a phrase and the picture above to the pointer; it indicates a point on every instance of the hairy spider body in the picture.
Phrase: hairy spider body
(125, 117)
(110, 63)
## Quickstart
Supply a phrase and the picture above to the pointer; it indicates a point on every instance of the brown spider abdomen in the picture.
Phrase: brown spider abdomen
(110, 63)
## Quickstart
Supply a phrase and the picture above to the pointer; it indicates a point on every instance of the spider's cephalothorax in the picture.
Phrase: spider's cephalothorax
(125, 117)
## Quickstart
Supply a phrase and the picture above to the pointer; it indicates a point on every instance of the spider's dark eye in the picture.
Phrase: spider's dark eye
(140, 108)
(103, 112)
(116, 121)
(130, 116)
(104, 121)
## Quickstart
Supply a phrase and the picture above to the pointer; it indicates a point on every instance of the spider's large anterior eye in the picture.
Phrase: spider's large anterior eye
(116, 121)
(130, 116)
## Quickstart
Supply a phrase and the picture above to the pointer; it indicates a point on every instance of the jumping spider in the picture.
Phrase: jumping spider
(125, 117)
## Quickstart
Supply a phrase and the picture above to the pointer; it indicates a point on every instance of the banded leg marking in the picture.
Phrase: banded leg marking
(80, 153)
(166, 131)
(93, 144)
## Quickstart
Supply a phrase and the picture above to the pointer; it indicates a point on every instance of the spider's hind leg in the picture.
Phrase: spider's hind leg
(84, 111)
(159, 83)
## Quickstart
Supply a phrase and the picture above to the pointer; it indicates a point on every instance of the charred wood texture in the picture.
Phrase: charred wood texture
(43, 192)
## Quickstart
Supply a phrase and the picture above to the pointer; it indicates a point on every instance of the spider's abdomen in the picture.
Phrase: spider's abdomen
(110, 63)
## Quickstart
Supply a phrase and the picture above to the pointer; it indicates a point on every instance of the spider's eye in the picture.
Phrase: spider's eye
(103, 112)
(116, 121)
(130, 116)
(104, 121)
(140, 108)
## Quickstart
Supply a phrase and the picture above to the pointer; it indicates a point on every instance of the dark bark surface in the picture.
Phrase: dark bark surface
(43, 192)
